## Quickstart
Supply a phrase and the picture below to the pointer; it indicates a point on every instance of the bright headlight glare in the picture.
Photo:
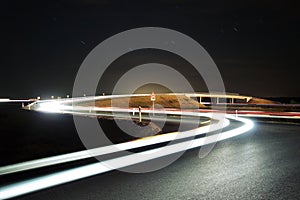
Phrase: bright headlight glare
(50, 107)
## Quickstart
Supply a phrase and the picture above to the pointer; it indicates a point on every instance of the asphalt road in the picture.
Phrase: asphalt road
(261, 164)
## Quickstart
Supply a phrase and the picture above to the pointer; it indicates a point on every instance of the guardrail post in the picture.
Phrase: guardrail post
(140, 114)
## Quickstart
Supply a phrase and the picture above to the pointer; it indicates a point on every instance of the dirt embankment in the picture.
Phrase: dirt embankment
(166, 101)
(255, 100)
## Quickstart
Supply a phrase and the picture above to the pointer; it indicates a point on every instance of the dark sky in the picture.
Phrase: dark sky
(255, 44)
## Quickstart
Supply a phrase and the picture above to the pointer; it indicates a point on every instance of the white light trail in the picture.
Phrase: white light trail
(33, 164)
(4, 100)
(77, 173)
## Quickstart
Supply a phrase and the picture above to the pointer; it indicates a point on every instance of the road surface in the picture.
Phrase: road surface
(261, 164)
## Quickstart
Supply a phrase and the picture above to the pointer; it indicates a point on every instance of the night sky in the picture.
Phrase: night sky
(255, 44)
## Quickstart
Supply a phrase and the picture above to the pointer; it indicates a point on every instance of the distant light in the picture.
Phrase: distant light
(84, 95)
(68, 96)
(38, 98)
(52, 97)
(52, 106)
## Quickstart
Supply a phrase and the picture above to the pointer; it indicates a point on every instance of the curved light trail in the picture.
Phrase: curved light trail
(77, 173)
(58, 106)
(43, 162)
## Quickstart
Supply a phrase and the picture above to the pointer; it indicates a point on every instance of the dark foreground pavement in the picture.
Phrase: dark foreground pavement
(261, 164)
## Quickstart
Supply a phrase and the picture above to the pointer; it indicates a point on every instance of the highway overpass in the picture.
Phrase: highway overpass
(219, 98)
